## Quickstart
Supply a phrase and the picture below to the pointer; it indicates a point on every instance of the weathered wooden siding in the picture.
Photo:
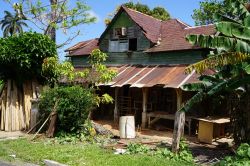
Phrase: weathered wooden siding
(133, 31)
(164, 58)
(79, 61)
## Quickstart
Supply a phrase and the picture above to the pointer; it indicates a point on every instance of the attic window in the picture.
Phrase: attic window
(118, 45)
(132, 44)
(120, 32)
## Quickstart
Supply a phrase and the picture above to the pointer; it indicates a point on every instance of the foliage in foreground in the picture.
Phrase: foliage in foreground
(231, 48)
(72, 104)
(205, 14)
(184, 154)
(75, 155)
(21, 57)
(241, 158)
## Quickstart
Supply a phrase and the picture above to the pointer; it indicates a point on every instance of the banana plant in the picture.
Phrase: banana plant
(231, 43)
(230, 57)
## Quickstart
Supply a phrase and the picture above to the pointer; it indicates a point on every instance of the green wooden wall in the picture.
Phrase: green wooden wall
(163, 58)
(134, 31)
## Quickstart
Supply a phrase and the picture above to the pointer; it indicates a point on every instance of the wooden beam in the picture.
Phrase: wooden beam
(144, 106)
(179, 123)
(116, 116)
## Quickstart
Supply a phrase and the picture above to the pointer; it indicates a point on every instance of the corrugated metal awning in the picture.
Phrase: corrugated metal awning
(149, 76)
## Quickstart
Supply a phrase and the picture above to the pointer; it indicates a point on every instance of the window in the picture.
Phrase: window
(120, 32)
(117, 32)
(133, 44)
(118, 45)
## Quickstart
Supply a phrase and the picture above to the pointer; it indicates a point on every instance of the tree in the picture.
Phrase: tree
(157, 12)
(205, 14)
(54, 15)
(11, 24)
(160, 13)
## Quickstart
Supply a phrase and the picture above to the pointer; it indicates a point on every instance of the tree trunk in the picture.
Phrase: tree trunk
(16, 106)
(51, 29)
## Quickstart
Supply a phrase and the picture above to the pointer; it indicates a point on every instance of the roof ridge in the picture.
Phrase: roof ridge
(141, 13)
(79, 43)
(198, 26)
(183, 23)
(90, 41)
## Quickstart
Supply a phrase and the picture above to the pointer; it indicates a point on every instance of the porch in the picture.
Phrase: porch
(152, 95)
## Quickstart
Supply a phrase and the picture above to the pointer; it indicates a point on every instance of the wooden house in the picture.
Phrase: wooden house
(150, 57)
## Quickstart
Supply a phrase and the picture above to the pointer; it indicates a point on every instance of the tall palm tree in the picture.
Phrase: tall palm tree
(11, 24)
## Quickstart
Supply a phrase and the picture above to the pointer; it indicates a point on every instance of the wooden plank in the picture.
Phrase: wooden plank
(212, 119)
(16, 107)
(8, 99)
(3, 107)
(205, 132)
(21, 111)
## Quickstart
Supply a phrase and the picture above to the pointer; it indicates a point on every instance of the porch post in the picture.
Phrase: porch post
(116, 116)
(178, 123)
(144, 106)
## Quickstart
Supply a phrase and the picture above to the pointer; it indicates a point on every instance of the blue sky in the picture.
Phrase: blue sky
(181, 9)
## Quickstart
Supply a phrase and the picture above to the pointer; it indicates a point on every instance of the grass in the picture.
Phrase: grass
(80, 154)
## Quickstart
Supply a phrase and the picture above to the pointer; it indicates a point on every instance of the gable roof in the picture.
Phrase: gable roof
(173, 36)
(83, 48)
(150, 26)
(165, 35)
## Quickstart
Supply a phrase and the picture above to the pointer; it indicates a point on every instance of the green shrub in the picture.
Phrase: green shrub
(135, 148)
(241, 158)
(73, 106)
(184, 154)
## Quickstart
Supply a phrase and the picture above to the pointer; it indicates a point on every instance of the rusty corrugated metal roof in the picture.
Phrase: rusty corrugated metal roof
(167, 76)
(149, 76)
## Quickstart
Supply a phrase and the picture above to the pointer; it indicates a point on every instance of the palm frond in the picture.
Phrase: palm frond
(217, 60)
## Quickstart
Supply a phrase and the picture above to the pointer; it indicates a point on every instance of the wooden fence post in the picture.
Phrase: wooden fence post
(179, 123)
(144, 106)
(116, 116)
(178, 130)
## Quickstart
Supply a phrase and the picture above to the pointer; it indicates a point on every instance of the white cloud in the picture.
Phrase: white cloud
(94, 14)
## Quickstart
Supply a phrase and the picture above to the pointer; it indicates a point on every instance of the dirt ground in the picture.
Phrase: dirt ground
(204, 154)
(11, 135)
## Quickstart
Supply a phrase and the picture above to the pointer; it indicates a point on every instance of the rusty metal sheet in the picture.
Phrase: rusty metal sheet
(153, 77)
(125, 77)
(139, 75)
